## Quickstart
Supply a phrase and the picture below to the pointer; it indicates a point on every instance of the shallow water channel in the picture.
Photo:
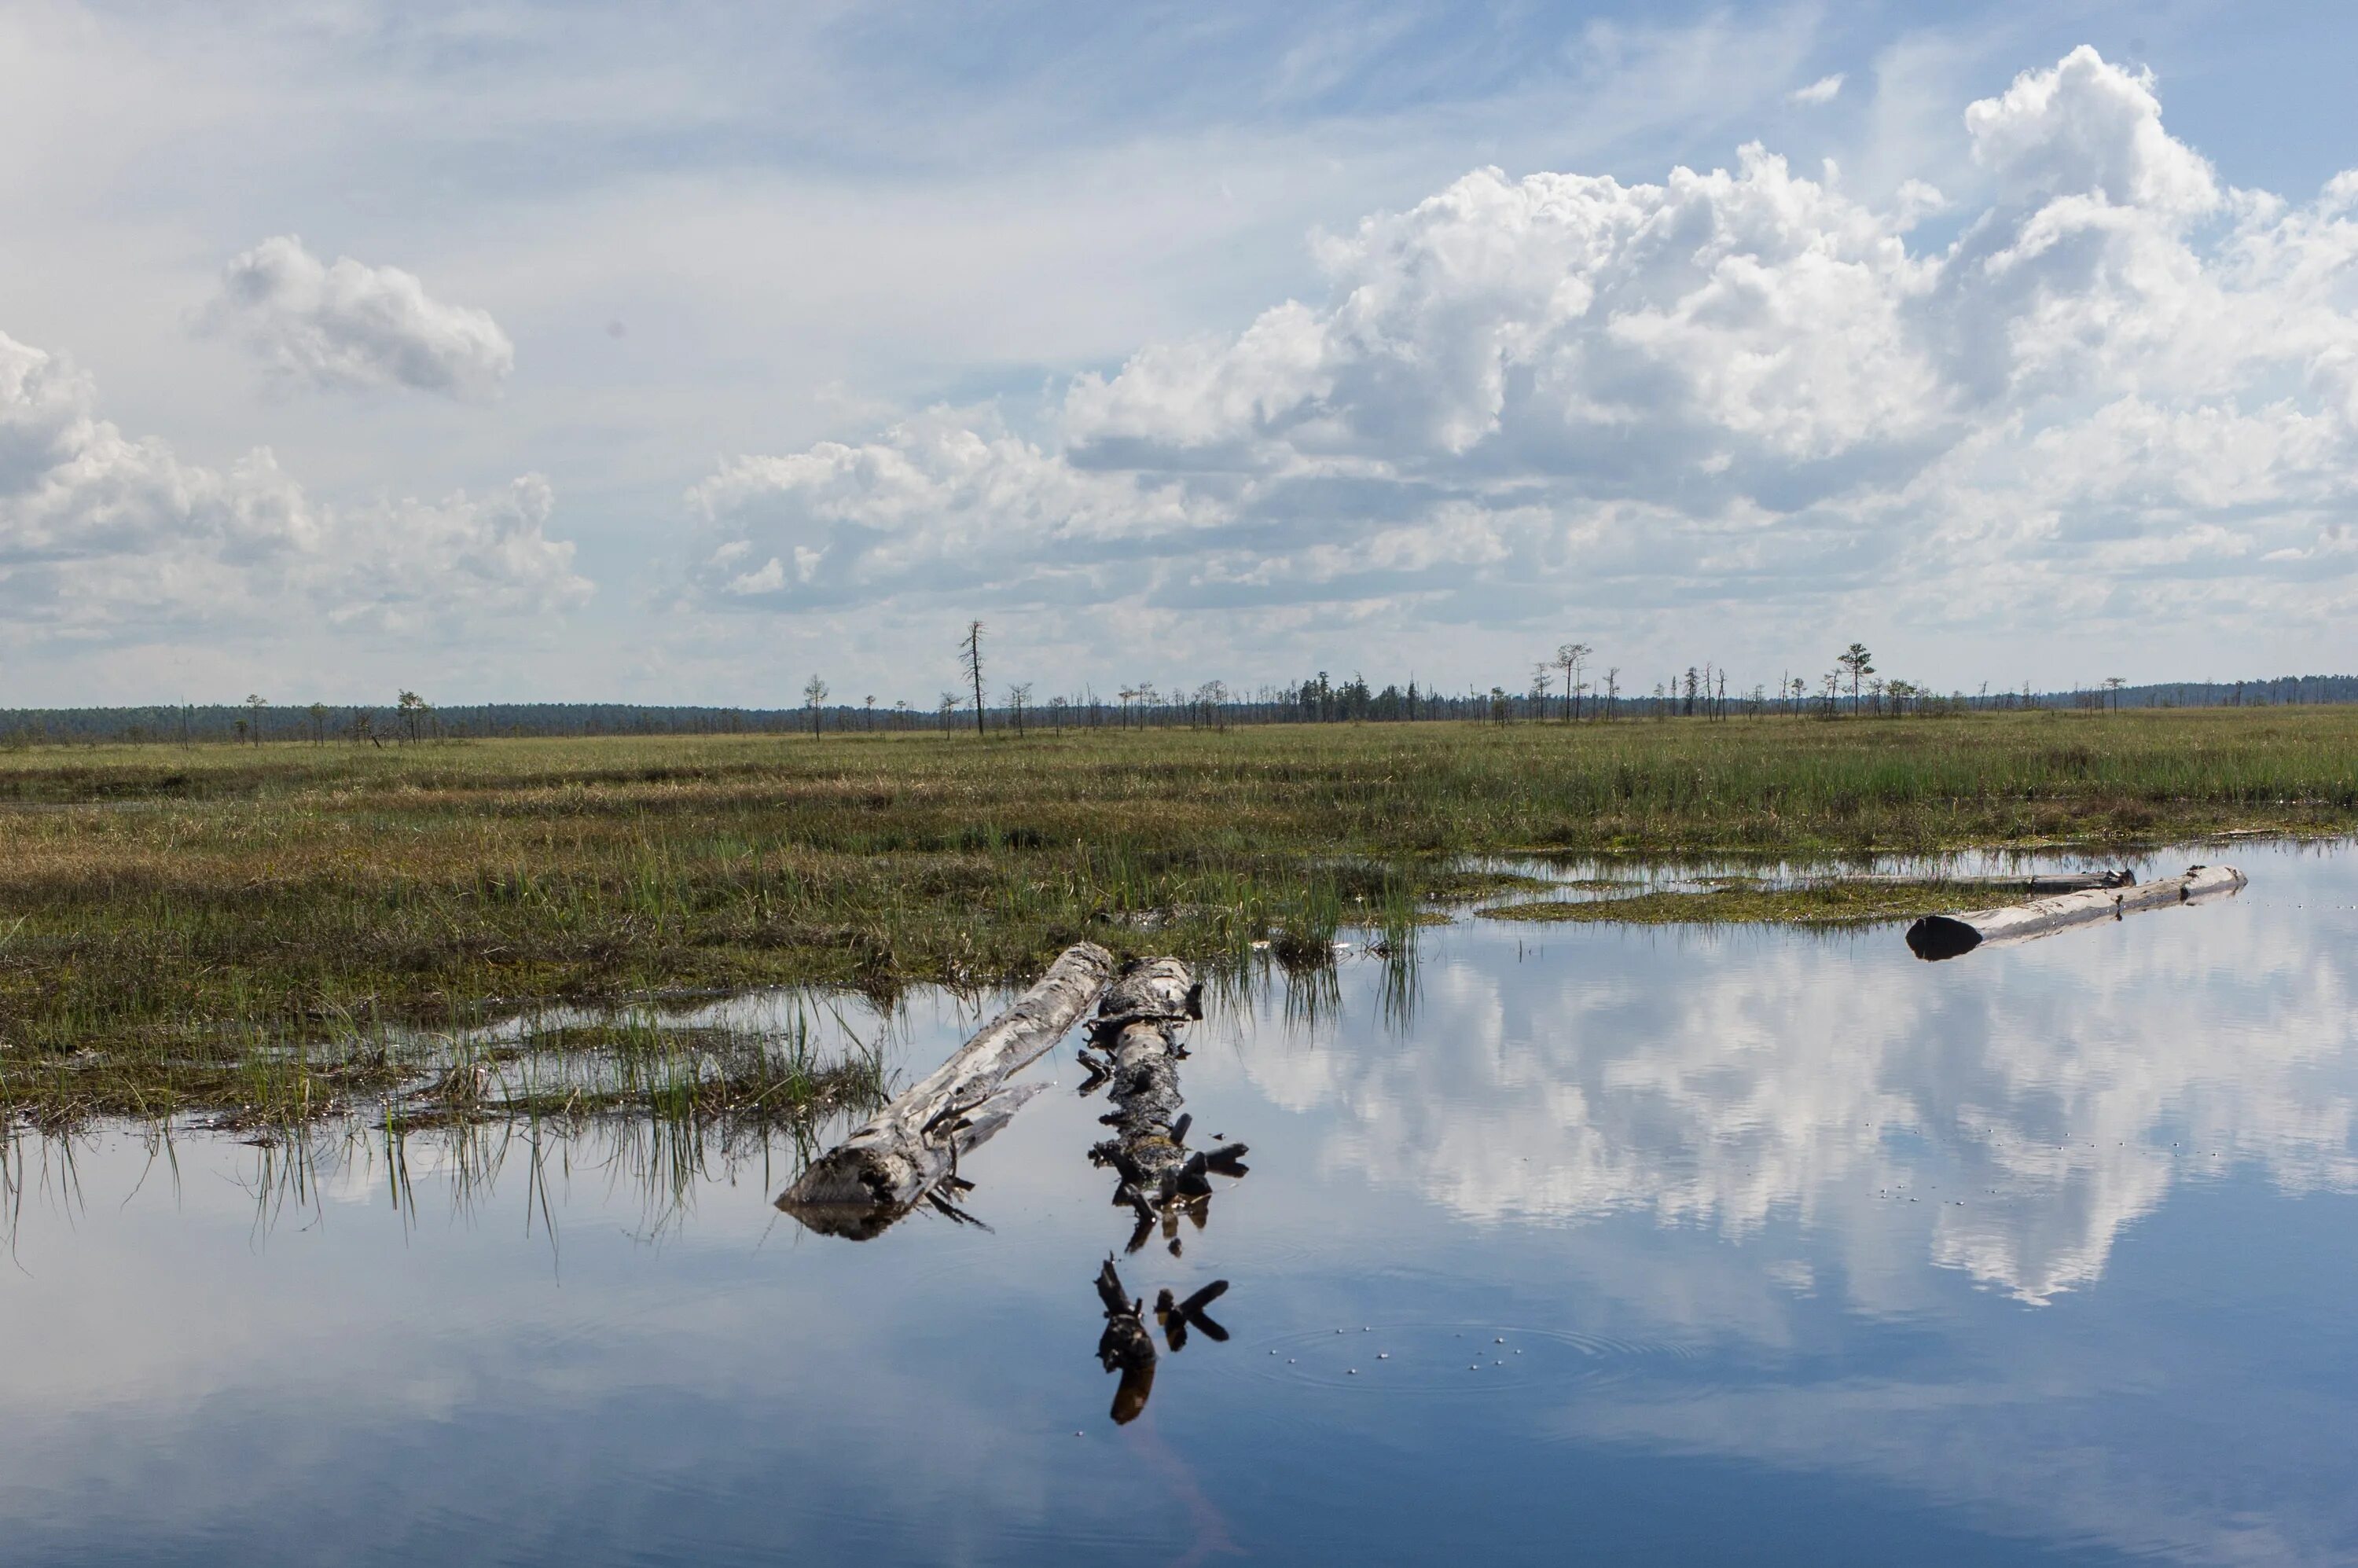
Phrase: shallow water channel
(1571, 1243)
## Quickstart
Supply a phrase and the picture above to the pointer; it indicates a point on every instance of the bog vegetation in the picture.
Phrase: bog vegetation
(174, 919)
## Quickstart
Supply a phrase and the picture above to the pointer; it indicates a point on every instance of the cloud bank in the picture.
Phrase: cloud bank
(2118, 393)
(105, 535)
(347, 325)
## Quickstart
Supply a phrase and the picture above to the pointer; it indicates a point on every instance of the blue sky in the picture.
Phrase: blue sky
(507, 351)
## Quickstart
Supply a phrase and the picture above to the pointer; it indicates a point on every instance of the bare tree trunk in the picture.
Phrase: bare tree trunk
(913, 1145)
(972, 655)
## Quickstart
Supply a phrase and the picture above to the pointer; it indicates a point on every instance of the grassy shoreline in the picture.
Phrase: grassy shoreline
(1733, 901)
(160, 904)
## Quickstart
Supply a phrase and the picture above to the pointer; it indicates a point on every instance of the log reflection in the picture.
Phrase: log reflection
(1133, 1053)
(1127, 1345)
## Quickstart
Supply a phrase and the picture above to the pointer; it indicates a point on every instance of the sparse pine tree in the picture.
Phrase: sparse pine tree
(1569, 657)
(1860, 663)
(412, 710)
(814, 693)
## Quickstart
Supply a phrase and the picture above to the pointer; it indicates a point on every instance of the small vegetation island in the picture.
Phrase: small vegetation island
(214, 922)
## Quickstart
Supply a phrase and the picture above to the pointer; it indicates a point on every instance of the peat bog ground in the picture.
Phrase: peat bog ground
(256, 931)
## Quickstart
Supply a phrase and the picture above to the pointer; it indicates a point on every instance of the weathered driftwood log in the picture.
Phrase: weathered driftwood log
(912, 1147)
(1949, 936)
(1136, 1032)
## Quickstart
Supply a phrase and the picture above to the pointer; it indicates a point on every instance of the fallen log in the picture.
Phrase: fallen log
(910, 1147)
(1138, 1051)
(1938, 936)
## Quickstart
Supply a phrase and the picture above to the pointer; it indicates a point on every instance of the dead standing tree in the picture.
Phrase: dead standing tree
(970, 661)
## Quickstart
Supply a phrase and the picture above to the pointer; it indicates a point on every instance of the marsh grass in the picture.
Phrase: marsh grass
(1735, 900)
(634, 1064)
(640, 1064)
(245, 929)
(469, 1166)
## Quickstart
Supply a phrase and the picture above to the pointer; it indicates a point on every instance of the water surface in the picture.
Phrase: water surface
(1628, 1245)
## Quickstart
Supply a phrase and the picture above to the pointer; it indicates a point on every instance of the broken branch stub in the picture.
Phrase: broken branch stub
(860, 1187)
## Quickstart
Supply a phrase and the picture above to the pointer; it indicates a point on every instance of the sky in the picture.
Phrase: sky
(512, 352)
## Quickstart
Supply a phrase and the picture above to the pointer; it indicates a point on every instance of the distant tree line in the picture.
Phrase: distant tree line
(407, 719)
(1564, 687)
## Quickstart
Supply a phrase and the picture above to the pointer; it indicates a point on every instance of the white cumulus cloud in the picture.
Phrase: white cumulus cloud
(106, 535)
(1822, 91)
(349, 325)
(2121, 395)
(937, 502)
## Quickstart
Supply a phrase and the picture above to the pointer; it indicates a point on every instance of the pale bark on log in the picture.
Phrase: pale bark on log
(913, 1145)
(1937, 936)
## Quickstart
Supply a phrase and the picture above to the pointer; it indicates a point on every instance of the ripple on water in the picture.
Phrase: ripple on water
(1453, 1359)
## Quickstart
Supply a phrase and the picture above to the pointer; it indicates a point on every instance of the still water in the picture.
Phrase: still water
(1622, 1244)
